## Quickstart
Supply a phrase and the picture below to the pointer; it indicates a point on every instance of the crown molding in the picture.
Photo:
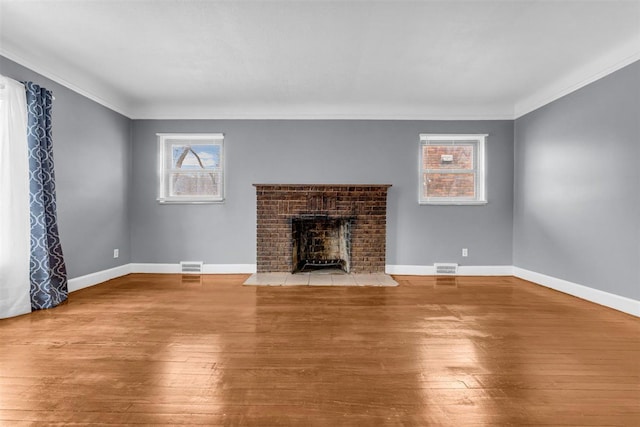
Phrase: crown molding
(48, 72)
(595, 70)
(195, 114)
(604, 65)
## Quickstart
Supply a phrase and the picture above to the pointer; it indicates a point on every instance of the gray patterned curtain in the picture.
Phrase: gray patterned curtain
(47, 268)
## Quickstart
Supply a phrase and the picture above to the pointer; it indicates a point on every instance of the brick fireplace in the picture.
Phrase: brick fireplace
(340, 224)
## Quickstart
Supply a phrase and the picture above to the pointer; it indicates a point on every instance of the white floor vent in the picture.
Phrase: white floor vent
(446, 268)
(191, 267)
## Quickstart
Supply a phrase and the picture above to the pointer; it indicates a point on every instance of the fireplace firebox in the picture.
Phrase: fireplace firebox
(320, 243)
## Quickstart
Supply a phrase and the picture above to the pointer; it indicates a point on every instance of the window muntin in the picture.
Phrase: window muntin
(452, 169)
(191, 168)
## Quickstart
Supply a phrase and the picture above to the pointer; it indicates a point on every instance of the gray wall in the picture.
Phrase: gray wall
(577, 181)
(91, 154)
(295, 151)
(574, 215)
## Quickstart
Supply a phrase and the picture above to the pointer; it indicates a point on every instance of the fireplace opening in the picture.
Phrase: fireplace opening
(321, 243)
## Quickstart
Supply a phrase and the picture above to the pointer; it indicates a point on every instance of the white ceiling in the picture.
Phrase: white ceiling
(321, 59)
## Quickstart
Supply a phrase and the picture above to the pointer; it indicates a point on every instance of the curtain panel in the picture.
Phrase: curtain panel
(14, 201)
(48, 273)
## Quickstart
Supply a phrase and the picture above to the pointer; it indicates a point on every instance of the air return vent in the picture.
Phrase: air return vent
(191, 267)
(446, 268)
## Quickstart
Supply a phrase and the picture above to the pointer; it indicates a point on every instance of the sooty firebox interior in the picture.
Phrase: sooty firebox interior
(321, 243)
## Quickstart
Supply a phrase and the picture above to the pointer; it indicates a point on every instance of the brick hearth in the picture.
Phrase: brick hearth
(279, 204)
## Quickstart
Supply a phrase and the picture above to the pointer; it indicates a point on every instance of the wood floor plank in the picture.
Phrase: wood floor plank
(160, 350)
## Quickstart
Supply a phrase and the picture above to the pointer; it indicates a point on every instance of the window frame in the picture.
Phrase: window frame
(479, 167)
(165, 171)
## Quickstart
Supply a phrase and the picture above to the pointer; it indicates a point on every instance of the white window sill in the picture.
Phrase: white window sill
(191, 202)
(455, 203)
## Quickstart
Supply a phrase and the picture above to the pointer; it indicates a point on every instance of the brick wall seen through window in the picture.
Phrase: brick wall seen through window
(452, 169)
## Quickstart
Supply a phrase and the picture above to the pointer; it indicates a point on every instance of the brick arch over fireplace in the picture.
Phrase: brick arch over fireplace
(280, 205)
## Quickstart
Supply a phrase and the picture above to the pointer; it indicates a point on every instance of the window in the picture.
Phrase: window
(191, 168)
(452, 169)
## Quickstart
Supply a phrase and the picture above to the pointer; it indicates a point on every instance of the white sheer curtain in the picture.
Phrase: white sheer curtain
(14, 201)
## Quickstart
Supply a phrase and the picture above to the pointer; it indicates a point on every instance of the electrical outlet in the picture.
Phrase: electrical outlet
(116, 253)
(465, 252)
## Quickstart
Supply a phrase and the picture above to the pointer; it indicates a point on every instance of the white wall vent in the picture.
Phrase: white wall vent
(445, 268)
(191, 267)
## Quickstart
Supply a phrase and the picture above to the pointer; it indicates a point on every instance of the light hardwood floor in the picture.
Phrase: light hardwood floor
(156, 349)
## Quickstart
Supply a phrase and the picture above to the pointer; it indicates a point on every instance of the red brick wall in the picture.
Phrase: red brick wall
(447, 184)
(277, 204)
(462, 156)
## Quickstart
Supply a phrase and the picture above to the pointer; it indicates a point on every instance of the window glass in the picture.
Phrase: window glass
(191, 168)
(452, 169)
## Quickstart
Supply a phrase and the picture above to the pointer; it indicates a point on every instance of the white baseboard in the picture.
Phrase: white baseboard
(98, 277)
(410, 270)
(85, 281)
(463, 270)
(485, 270)
(617, 302)
(155, 268)
(229, 268)
(206, 268)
